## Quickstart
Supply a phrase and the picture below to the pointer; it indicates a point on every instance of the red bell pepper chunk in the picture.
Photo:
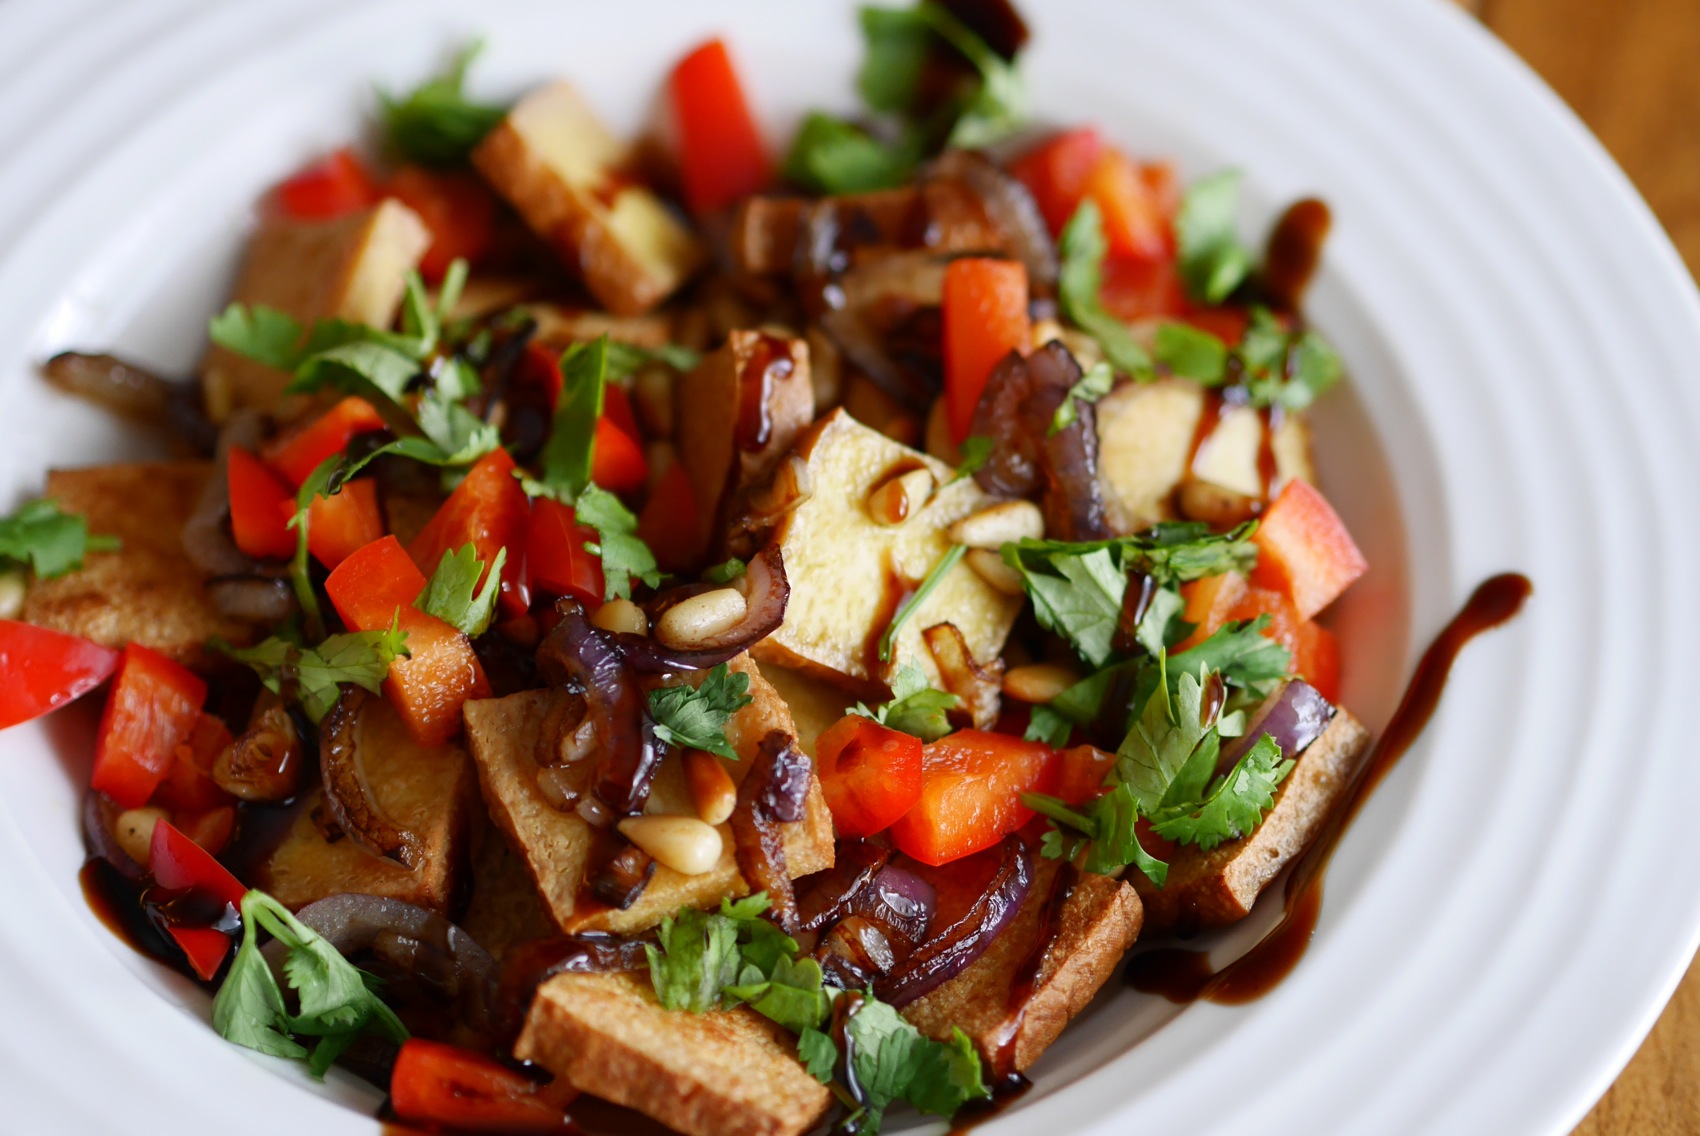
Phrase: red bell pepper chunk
(672, 523)
(558, 561)
(985, 318)
(343, 523)
(617, 407)
(299, 453)
(178, 864)
(490, 511)
(377, 586)
(971, 789)
(188, 785)
(42, 670)
(257, 501)
(1055, 172)
(1304, 550)
(154, 707)
(870, 774)
(433, 1083)
(1135, 224)
(1216, 600)
(336, 186)
(617, 463)
(1080, 773)
(458, 209)
(721, 155)
(1143, 289)
(204, 947)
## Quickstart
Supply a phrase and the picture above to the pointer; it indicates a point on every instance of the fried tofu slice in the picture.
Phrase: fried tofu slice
(849, 573)
(560, 327)
(504, 735)
(1148, 449)
(504, 910)
(430, 791)
(746, 404)
(1218, 887)
(148, 591)
(720, 1073)
(555, 162)
(352, 268)
(815, 705)
(1092, 921)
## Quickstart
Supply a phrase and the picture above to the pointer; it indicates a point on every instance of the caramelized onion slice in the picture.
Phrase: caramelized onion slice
(825, 897)
(1294, 716)
(773, 792)
(266, 762)
(950, 951)
(1011, 208)
(206, 534)
(766, 591)
(582, 657)
(346, 790)
(137, 394)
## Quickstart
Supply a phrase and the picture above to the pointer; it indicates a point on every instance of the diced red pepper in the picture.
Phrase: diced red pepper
(211, 829)
(42, 670)
(721, 155)
(153, 708)
(178, 864)
(1080, 773)
(1143, 289)
(985, 318)
(541, 368)
(558, 561)
(377, 586)
(188, 784)
(672, 522)
(433, 1083)
(1304, 549)
(457, 208)
(257, 502)
(617, 407)
(1134, 224)
(490, 511)
(1055, 172)
(971, 789)
(298, 453)
(204, 947)
(870, 774)
(617, 461)
(343, 523)
(1216, 600)
(334, 187)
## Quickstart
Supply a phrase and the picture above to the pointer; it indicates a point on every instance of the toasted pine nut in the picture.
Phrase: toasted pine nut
(989, 566)
(11, 594)
(134, 830)
(900, 497)
(1038, 682)
(692, 622)
(685, 844)
(997, 525)
(1046, 330)
(621, 615)
(712, 791)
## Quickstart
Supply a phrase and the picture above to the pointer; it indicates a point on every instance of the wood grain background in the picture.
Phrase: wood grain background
(1631, 69)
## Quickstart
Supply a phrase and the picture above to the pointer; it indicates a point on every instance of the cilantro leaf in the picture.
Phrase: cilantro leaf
(1162, 740)
(1213, 262)
(888, 641)
(815, 1049)
(49, 541)
(1191, 353)
(568, 456)
(792, 992)
(899, 41)
(831, 155)
(260, 333)
(435, 124)
(624, 554)
(1241, 653)
(1081, 249)
(725, 572)
(314, 675)
(1285, 369)
(625, 359)
(336, 999)
(976, 451)
(915, 707)
(702, 957)
(1077, 594)
(453, 596)
(695, 717)
(1233, 806)
(893, 1061)
(1090, 387)
(459, 434)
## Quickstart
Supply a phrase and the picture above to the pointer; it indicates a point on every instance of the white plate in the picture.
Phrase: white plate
(1503, 922)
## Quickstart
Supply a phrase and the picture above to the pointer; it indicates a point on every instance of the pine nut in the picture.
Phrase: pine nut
(134, 830)
(621, 615)
(712, 791)
(691, 622)
(687, 845)
(1038, 682)
(1044, 331)
(593, 812)
(991, 568)
(900, 497)
(11, 594)
(997, 525)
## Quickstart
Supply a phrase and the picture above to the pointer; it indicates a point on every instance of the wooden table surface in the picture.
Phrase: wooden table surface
(1629, 68)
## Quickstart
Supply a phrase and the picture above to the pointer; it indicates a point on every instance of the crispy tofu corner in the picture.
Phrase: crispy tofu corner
(849, 573)
(1215, 888)
(556, 163)
(504, 736)
(148, 591)
(352, 268)
(720, 1073)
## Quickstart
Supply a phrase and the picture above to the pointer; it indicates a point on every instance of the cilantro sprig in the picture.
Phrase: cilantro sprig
(915, 706)
(695, 717)
(1089, 388)
(314, 676)
(453, 595)
(1213, 262)
(337, 1002)
(1079, 277)
(435, 124)
(888, 641)
(50, 542)
(891, 1061)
